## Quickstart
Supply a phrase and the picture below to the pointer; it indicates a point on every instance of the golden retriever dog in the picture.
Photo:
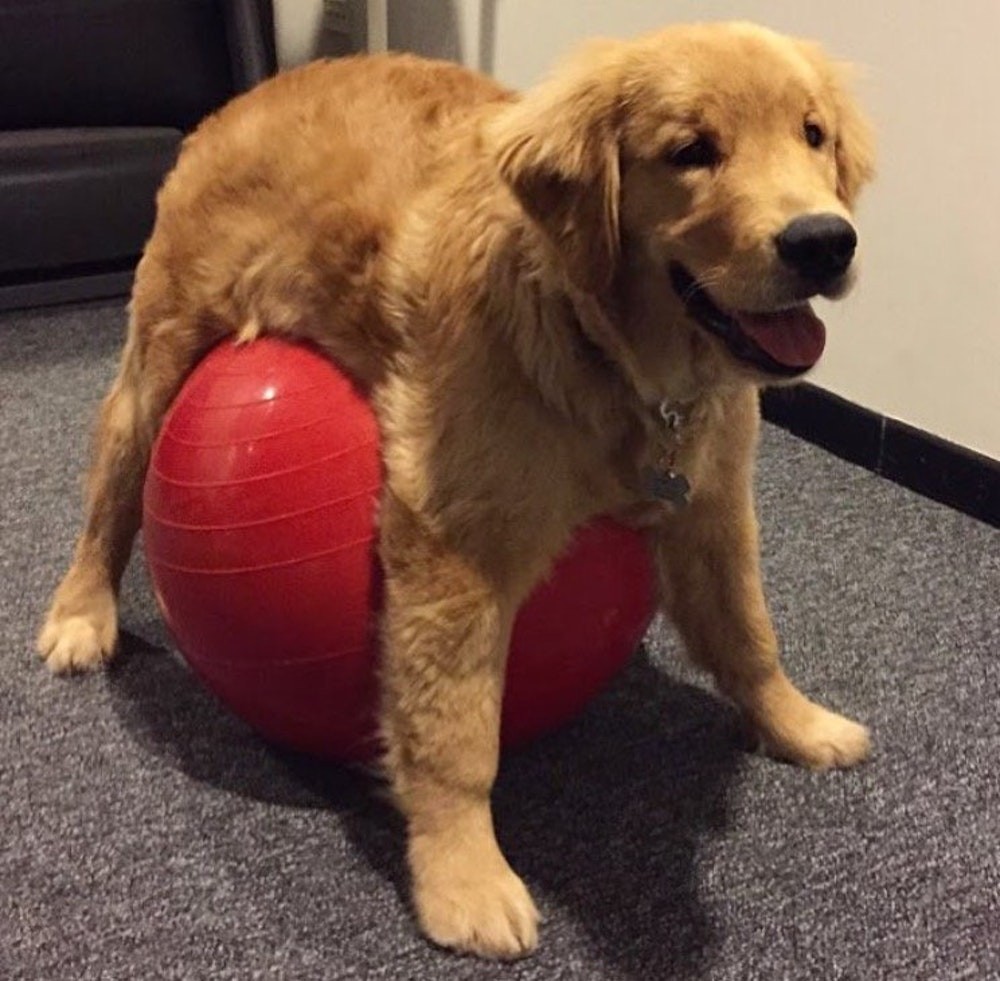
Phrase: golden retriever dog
(563, 304)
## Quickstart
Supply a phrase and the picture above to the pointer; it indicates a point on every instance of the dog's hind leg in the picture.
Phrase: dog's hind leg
(80, 629)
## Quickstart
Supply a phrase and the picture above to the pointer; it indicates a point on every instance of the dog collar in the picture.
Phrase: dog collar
(662, 481)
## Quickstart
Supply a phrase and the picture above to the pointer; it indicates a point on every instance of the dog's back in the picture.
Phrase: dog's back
(281, 202)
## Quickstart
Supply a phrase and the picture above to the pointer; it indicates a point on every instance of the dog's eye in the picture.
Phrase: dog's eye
(701, 152)
(815, 136)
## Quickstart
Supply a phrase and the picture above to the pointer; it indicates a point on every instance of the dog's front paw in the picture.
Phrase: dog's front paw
(79, 636)
(822, 742)
(75, 643)
(467, 898)
(793, 728)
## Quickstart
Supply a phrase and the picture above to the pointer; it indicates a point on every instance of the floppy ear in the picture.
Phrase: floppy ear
(557, 149)
(855, 144)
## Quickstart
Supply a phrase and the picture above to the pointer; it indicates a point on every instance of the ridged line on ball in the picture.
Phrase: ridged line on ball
(231, 526)
(240, 570)
(286, 662)
(168, 433)
(308, 465)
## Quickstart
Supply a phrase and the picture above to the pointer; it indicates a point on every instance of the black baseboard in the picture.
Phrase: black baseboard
(66, 284)
(936, 468)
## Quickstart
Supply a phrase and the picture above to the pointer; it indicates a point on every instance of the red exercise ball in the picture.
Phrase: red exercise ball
(259, 531)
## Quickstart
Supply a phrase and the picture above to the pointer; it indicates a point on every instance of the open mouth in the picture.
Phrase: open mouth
(784, 343)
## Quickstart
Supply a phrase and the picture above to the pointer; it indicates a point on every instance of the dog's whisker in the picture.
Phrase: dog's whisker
(701, 283)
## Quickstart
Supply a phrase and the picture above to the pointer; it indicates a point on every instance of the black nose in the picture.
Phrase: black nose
(819, 247)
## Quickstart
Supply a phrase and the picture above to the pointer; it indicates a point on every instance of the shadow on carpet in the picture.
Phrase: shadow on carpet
(603, 818)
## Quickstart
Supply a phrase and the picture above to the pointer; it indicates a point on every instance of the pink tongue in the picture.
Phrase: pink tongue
(794, 337)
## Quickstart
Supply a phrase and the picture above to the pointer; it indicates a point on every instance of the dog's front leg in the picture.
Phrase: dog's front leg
(446, 633)
(710, 574)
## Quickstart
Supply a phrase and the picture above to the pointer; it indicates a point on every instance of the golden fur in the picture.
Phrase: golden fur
(493, 269)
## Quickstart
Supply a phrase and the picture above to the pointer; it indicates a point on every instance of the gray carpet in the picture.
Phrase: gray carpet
(146, 834)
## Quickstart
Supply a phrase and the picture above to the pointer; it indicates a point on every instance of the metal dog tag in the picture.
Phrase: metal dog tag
(665, 485)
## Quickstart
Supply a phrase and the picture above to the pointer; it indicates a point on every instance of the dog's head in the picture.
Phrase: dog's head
(700, 182)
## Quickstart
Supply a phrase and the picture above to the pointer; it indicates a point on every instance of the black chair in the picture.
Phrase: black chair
(95, 98)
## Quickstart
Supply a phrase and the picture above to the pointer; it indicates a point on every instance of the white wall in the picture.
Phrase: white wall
(309, 29)
(919, 339)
